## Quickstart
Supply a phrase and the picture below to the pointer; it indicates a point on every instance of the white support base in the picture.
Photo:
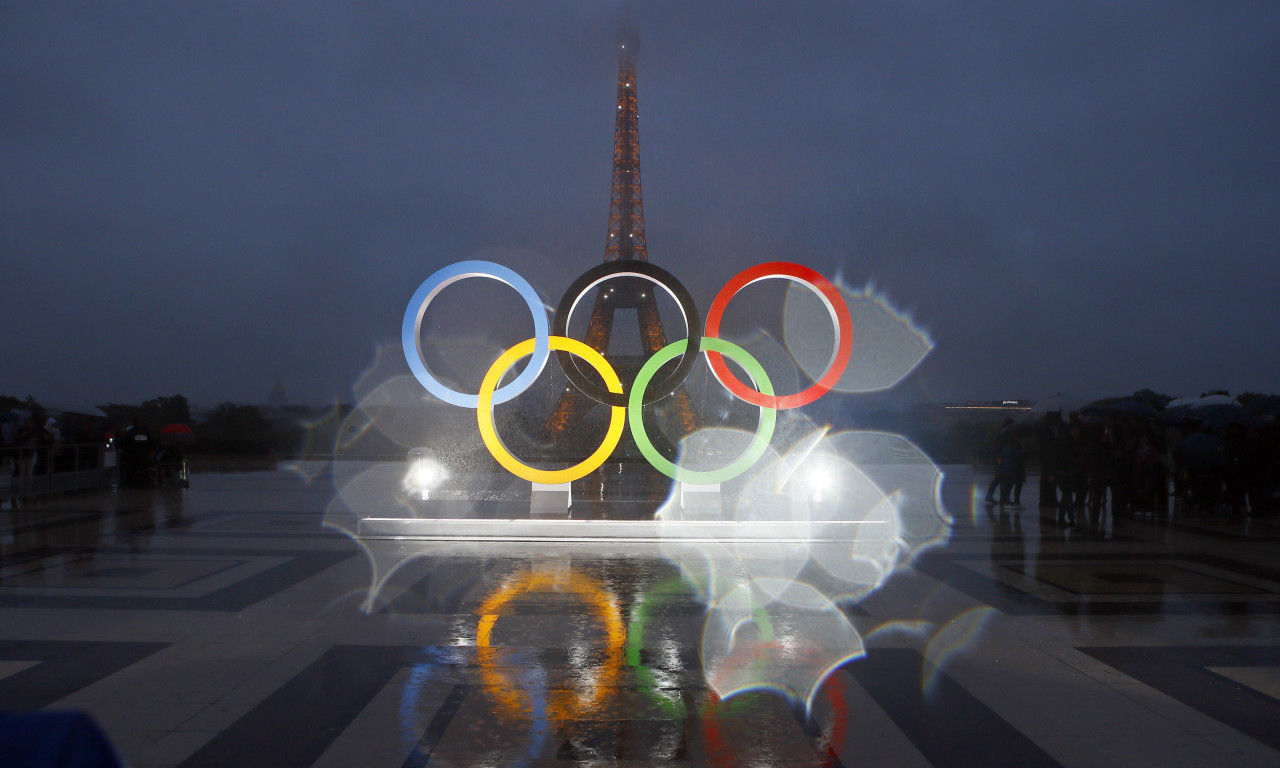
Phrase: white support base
(700, 498)
(608, 530)
(550, 502)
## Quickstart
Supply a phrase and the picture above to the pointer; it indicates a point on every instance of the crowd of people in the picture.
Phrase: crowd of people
(35, 445)
(1133, 466)
(145, 461)
(32, 444)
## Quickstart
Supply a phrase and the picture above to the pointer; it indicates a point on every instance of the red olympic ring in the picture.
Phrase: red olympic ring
(840, 317)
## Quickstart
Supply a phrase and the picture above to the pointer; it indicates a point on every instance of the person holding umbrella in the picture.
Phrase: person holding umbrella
(1072, 468)
(1049, 441)
(1150, 476)
(1199, 456)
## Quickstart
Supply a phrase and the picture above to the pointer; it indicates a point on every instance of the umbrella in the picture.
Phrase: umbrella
(1223, 416)
(77, 409)
(178, 434)
(1177, 414)
(1211, 400)
(1265, 407)
(1134, 408)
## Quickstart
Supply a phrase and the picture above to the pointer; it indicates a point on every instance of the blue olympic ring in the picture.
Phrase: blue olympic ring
(411, 330)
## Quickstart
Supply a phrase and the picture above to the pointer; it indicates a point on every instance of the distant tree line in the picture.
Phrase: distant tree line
(228, 429)
(245, 430)
(970, 440)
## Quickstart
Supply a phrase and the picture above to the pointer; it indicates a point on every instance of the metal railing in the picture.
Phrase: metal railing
(38, 470)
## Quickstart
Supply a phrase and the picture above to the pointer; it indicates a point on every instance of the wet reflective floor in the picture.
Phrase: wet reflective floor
(225, 625)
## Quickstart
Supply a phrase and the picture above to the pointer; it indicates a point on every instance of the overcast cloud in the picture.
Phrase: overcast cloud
(199, 197)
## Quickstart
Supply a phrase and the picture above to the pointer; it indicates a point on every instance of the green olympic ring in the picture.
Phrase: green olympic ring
(764, 430)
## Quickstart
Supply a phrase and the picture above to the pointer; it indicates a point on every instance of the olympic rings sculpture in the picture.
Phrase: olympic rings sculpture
(627, 407)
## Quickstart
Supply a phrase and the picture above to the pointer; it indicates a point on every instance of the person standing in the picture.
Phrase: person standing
(1049, 438)
(998, 449)
(9, 456)
(1072, 472)
(1149, 473)
(27, 443)
(1015, 462)
(135, 454)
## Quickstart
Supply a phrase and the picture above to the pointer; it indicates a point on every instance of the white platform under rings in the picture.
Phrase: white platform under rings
(613, 530)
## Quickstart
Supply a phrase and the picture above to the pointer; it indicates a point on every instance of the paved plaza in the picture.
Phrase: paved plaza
(228, 625)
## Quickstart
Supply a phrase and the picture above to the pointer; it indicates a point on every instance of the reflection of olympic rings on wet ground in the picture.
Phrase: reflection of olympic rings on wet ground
(716, 712)
(645, 390)
(530, 699)
(725, 752)
(647, 602)
(562, 704)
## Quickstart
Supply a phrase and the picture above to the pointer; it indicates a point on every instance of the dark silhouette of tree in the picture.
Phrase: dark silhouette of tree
(235, 429)
(8, 402)
(154, 413)
(166, 410)
(1157, 400)
(1249, 398)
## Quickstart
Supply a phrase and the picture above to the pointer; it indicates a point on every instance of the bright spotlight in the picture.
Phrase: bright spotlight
(821, 482)
(422, 474)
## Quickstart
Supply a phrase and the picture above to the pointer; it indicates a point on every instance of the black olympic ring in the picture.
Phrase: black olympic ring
(629, 268)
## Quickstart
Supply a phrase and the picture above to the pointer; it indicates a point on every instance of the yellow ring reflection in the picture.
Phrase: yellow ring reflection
(562, 704)
(484, 413)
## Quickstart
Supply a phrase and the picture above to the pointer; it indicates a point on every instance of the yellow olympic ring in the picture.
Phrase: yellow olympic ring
(563, 704)
(484, 413)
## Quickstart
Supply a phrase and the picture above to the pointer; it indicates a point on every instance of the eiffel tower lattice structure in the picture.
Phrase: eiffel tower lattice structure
(626, 241)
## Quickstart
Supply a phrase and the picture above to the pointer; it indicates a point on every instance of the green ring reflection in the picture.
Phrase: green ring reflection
(656, 598)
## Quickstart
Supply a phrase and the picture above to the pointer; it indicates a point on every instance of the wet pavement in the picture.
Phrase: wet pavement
(241, 623)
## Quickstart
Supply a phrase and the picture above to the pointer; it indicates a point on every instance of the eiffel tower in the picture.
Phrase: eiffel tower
(626, 241)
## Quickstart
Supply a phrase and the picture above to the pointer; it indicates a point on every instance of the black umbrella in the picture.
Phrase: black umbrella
(1122, 408)
(1265, 407)
(1179, 415)
(1223, 416)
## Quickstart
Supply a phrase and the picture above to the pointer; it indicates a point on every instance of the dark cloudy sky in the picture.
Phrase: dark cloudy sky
(197, 197)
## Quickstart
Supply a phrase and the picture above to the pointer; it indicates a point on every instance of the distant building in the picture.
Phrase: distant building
(276, 398)
(983, 410)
